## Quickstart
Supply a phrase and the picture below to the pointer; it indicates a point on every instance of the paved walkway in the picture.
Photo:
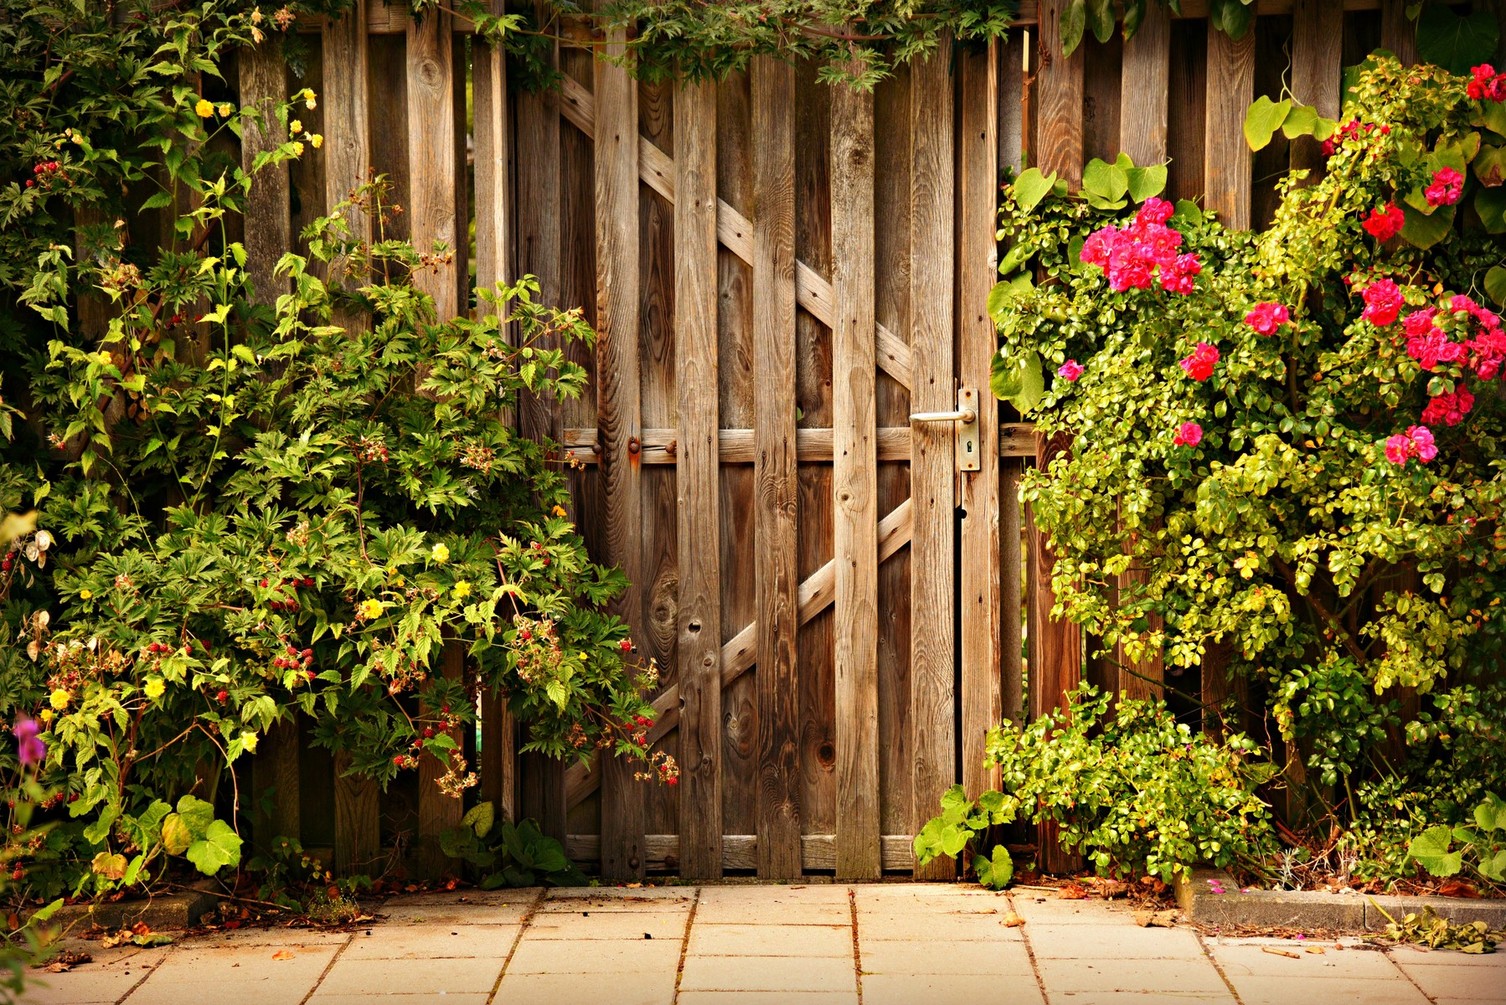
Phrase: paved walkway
(739, 945)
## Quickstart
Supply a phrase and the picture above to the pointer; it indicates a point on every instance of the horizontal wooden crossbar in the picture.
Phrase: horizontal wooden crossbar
(814, 446)
(738, 653)
(734, 231)
(740, 851)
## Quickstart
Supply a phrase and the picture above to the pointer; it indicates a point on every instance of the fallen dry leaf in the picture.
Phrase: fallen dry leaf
(1156, 919)
(1281, 952)
(1013, 920)
(283, 954)
(1316, 950)
(1071, 891)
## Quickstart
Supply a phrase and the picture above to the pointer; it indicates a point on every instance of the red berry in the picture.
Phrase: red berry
(525, 635)
(221, 696)
(263, 584)
(30, 183)
(309, 674)
(18, 874)
(626, 645)
(428, 732)
(398, 760)
(307, 653)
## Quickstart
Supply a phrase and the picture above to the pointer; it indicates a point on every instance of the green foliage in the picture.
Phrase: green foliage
(508, 854)
(1332, 576)
(1135, 792)
(233, 506)
(1444, 851)
(1428, 929)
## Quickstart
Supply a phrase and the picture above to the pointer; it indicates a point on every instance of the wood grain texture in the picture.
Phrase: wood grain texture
(1398, 32)
(1189, 93)
(977, 344)
(437, 811)
(492, 155)
(1317, 69)
(1227, 182)
(617, 321)
(699, 623)
(274, 769)
(774, 470)
(933, 655)
(1011, 100)
(855, 486)
(1011, 604)
(1143, 99)
(432, 193)
(1056, 651)
(268, 216)
(358, 828)
(537, 241)
(347, 135)
(1059, 90)
(498, 760)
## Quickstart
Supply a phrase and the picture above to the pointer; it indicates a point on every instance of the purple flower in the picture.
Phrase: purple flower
(30, 748)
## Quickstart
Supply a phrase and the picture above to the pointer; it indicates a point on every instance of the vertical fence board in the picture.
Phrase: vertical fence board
(432, 193)
(489, 98)
(775, 473)
(1188, 94)
(268, 218)
(347, 138)
(855, 485)
(1317, 68)
(1227, 184)
(933, 459)
(1012, 648)
(437, 811)
(358, 826)
(617, 292)
(977, 343)
(1398, 32)
(1147, 83)
(1059, 84)
(387, 75)
(696, 473)
(275, 769)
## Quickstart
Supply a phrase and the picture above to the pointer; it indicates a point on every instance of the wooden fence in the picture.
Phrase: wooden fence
(781, 273)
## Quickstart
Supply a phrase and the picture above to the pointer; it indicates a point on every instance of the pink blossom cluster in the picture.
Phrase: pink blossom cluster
(1448, 409)
(1383, 302)
(1199, 364)
(1265, 318)
(1446, 189)
(1133, 255)
(1071, 370)
(1189, 434)
(1416, 442)
(1486, 84)
(1384, 222)
(1353, 129)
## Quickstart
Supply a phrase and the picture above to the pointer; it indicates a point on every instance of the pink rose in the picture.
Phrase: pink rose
(1383, 302)
(1384, 223)
(1199, 365)
(1189, 434)
(1265, 318)
(1070, 370)
(1446, 189)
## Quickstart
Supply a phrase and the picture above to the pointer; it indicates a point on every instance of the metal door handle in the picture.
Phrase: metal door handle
(966, 433)
(961, 415)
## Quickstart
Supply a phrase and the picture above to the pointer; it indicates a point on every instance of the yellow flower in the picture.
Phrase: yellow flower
(225, 109)
(154, 688)
(295, 127)
(204, 109)
(297, 149)
(462, 590)
(316, 141)
(59, 699)
(85, 594)
(45, 715)
(369, 609)
(558, 510)
(440, 553)
(249, 742)
(307, 94)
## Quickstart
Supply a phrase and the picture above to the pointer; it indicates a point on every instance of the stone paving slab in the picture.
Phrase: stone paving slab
(724, 945)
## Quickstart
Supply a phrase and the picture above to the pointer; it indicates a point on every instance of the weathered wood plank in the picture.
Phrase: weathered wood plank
(432, 195)
(1144, 95)
(699, 624)
(1317, 70)
(492, 160)
(437, 811)
(1398, 32)
(1059, 88)
(358, 826)
(1011, 579)
(1227, 182)
(977, 344)
(268, 216)
(617, 293)
(933, 463)
(775, 473)
(275, 769)
(818, 852)
(855, 486)
(347, 136)
(498, 760)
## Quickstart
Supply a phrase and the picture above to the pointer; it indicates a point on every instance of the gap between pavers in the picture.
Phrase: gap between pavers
(1371, 991)
(768, 973)
(1181, 977)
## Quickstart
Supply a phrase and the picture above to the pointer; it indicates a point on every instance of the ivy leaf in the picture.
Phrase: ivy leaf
(1495, 288)
(1302, 120)
(1490, 166)
(1423, 230)
(1453, 41)
(175, 835)
(196, 814)
(1262, 120)
(1101, 18)
(1018, 381)
(997, 870)
(480, 818)
(1145, 182)
(1490, 815)
(1016, 256)
(1187, 213)
(1490, 203)
(1074, 20)
(1107, 181)
(1430, 850)
(1006, 290)
(1031, 187)
(1232, 17)
(219, 848)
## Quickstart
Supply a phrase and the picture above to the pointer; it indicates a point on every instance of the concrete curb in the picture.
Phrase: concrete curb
(1317, 911)
(169, 912)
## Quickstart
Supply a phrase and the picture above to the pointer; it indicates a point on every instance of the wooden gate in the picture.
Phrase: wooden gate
(792, 536)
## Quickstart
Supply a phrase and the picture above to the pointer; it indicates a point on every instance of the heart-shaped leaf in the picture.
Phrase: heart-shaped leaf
(1262, 119)
(1031, 187)
(219, 848)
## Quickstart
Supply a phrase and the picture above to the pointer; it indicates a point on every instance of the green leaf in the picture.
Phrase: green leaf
(1145, 182)
(1423, 230)
(1006, 290)
(1107, 181)
(1262, 120)
(219, 848)
(1456, 42)
(1031, 187)
(1232, 17)
(954, 838)
(997, 870)
(1302, 120)
(1490, 203)
(1490, 165)
(1495, 284)
(1187, 213)
(1018, 381)
(1101, 18)
(175, 834)
(196, 814)
(1016, 256)
(480, 818)
(1490, 815)
(1430, 849)
(1074, 20)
